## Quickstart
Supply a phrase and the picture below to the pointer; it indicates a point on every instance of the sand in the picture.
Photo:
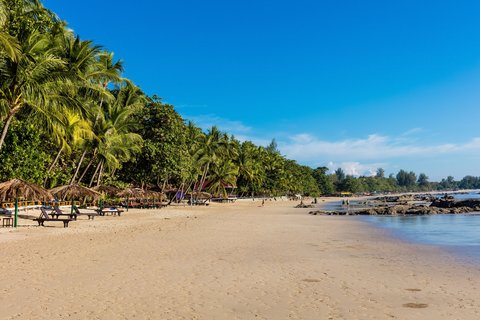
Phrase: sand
(228, 261)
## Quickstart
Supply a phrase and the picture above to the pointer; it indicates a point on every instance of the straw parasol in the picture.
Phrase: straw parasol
(74, 191)
(110, 190)
(155, 195)
(132, 192)
(17, 188)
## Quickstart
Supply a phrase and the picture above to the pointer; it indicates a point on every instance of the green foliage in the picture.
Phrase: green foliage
(324, 181)
(67, 115)
(24, 155)
(164, 155)
(423, 181)
(406, 179)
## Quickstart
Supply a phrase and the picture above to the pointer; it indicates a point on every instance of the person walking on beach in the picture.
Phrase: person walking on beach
(263, 202)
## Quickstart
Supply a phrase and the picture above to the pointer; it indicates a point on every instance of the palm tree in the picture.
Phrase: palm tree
(114, 129)
(30, 83)
(100, 74)
(251, 171)
(9, 46)
(70, 132)
(222, 174)
(211, 147)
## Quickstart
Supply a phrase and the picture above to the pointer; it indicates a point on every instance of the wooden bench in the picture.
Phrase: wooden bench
(91, 215)
(45, 217)
(57, 213)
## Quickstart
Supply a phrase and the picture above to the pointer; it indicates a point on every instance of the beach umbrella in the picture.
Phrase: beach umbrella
(131, 192)
(74, 191)
(17, 188)
(155, 194)
(110, 190)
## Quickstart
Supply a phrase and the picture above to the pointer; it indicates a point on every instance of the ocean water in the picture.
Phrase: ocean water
(456, 233)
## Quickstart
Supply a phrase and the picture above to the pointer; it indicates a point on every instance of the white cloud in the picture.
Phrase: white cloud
(230, 126)
(307, 148)
(356, 168)
(258, 141)
(412, 131)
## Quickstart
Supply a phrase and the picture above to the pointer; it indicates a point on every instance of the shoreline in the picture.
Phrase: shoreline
(235, 261)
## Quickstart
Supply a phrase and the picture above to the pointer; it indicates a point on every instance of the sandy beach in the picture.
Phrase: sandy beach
(228, 261)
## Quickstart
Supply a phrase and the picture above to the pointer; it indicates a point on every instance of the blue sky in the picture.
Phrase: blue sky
(356, 84)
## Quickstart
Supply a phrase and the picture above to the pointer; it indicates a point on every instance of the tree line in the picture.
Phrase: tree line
(68, 115)
(403, 181)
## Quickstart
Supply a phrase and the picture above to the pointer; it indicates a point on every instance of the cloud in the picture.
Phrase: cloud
(413, 131)
(256, 140)
(206, 121)
(356, 168)
(307, 148)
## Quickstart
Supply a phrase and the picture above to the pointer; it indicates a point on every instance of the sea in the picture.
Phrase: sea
(456, 233)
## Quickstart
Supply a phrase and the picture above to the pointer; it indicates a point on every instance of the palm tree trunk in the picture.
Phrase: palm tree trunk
(94, 175)
(99, 180)
(86, 169)
(204, 177)
(55, 160)
(12, 113)
(78, 166)
(52, 166)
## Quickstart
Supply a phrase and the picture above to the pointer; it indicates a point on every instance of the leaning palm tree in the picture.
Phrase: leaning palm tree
(116, 142)
(32, 73)
(223, 175)
(31, 82)
(100, 72)
(211, 148)
(71, 131)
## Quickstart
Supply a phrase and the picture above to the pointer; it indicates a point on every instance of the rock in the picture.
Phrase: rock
(302, 205)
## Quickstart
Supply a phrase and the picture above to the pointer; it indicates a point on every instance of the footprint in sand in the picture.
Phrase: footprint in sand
(413, 289)
(415, 305)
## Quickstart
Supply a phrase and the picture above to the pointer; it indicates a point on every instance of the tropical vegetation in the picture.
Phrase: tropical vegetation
(67, 115)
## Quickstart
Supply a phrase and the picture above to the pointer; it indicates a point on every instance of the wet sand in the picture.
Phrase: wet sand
(228, 261)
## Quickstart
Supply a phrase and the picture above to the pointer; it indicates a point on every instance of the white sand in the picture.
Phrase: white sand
(228, 261)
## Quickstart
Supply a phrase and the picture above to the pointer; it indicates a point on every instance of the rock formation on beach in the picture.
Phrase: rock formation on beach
(411, 205)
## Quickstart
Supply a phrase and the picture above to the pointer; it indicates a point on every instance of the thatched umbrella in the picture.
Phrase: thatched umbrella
(13, 189)
(74, 191)
(110, 190)
(131, 192)
(155, 194)
(199, 195)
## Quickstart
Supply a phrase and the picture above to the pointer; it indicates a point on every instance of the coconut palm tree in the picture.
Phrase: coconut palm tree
(222, 174)
(103, 72)
(251, 171)
(32, 82)
(72, 131)
(114, 129)
(211, 147)
(9, 46)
